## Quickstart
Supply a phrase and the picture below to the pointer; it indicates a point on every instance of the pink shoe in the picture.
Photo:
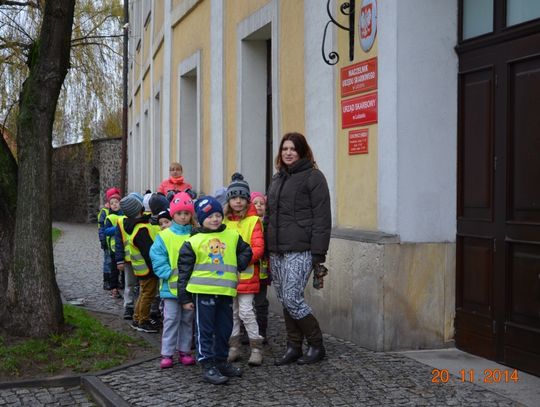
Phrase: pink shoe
(186, 359)
(166, 362)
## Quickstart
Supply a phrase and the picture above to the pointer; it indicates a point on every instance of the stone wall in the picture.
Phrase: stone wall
(386, 295)
(80, 177)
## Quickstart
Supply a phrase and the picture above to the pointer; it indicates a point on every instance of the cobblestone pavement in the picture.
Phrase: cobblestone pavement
(78, 259)
(349, 376)
(52, 396)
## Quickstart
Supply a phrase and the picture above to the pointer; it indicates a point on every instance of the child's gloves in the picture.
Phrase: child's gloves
(191, 193)
(319, 272)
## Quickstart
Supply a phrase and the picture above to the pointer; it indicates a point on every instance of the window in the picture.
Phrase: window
(477, 18)
(519, 11)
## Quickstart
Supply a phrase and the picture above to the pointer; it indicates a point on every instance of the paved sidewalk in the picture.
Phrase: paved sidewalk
(349, 376)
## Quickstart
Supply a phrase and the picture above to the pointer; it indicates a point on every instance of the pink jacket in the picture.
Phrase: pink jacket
(173, 184)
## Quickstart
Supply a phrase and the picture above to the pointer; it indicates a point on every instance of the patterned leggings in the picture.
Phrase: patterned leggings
(290, 275)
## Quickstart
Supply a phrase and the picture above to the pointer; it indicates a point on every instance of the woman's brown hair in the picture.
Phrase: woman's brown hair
(300, 145)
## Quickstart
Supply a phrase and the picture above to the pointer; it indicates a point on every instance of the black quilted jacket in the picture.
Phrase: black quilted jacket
(299, 217)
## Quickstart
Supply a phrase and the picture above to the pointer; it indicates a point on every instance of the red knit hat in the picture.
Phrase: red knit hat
(181, 202)
(112, 193)
(257, 195)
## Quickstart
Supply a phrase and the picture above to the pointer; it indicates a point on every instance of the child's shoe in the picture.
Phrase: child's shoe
(234, 348)
(211, 374)
(228, 369)
(115, 293)
(186, 359)
(166, 362)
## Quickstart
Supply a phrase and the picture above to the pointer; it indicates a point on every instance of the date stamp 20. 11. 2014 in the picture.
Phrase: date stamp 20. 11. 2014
(470, 375)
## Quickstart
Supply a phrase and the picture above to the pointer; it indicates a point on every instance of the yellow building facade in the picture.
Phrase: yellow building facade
(214, 84)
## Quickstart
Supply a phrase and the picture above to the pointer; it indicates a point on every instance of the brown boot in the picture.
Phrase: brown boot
(294, 340)
(234, 348)
(256, 357)
(316, 351)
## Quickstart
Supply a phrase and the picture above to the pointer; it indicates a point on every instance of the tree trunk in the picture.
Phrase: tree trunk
(8, 205)
(33, 304)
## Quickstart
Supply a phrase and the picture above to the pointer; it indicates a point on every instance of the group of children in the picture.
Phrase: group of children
(205, 258)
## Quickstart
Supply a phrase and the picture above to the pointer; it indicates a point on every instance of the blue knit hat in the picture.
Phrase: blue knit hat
(206, 206)
(137, 195)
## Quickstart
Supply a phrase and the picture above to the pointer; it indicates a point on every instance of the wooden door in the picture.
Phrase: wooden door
(498, 226)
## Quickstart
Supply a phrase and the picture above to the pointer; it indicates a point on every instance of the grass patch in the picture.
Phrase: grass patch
(56, 234)
(85, 346)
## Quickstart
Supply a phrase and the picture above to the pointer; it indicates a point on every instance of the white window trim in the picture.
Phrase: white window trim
(187, 65)
(268, 14)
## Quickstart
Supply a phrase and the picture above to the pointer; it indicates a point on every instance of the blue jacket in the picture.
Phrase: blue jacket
(109, 229)
(160, 259)
(101, 227)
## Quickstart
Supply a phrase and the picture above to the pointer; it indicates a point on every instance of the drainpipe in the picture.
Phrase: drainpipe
(123, 165)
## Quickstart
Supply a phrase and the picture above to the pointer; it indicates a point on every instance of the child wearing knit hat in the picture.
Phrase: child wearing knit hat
(260, 301)
(102, 215)
(141, 234)
(241, 215)
(178, 322)
(159, 206)
(110, 227)
(208, 267)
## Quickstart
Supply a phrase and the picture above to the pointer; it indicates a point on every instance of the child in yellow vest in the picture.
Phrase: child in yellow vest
(110, 227)
(208, 269)
(142, 235)
(242, 216)
(177, 322)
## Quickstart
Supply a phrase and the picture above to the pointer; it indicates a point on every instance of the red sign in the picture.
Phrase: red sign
(359, 111)
(360, 77)
(358, 141)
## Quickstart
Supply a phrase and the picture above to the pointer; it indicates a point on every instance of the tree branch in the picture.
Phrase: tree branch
(19, 3)
(95, 36)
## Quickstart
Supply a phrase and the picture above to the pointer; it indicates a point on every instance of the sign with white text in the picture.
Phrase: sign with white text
(360, 77)
(359, 111)
(358, 141)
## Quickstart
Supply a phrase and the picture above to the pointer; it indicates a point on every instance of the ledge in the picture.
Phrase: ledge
(367, 236)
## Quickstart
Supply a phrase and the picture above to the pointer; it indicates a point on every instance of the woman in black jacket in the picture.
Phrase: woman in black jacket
(297, 237)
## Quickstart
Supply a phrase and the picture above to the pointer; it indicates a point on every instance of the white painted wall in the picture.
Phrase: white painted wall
(262, 24)
(418, 87)
(166, 93)
(251, 146)
(320, 93)
(217, 100)
(190, 114)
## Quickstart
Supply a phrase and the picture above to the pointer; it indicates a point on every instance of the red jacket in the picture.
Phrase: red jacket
(252, 285)
(173, 184)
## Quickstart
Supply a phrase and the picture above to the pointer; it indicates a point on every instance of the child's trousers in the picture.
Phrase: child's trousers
(213, 324)
(148, 289)
(244, 311)
(177, 328)
(129, 286)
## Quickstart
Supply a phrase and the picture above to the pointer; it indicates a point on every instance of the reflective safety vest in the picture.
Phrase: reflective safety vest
(102, 210)
(172, 242)
(140, 269)
(215, 269)
(263, 264)
(263, 269)
(125, 237)
(245, 228)
(113, 218)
